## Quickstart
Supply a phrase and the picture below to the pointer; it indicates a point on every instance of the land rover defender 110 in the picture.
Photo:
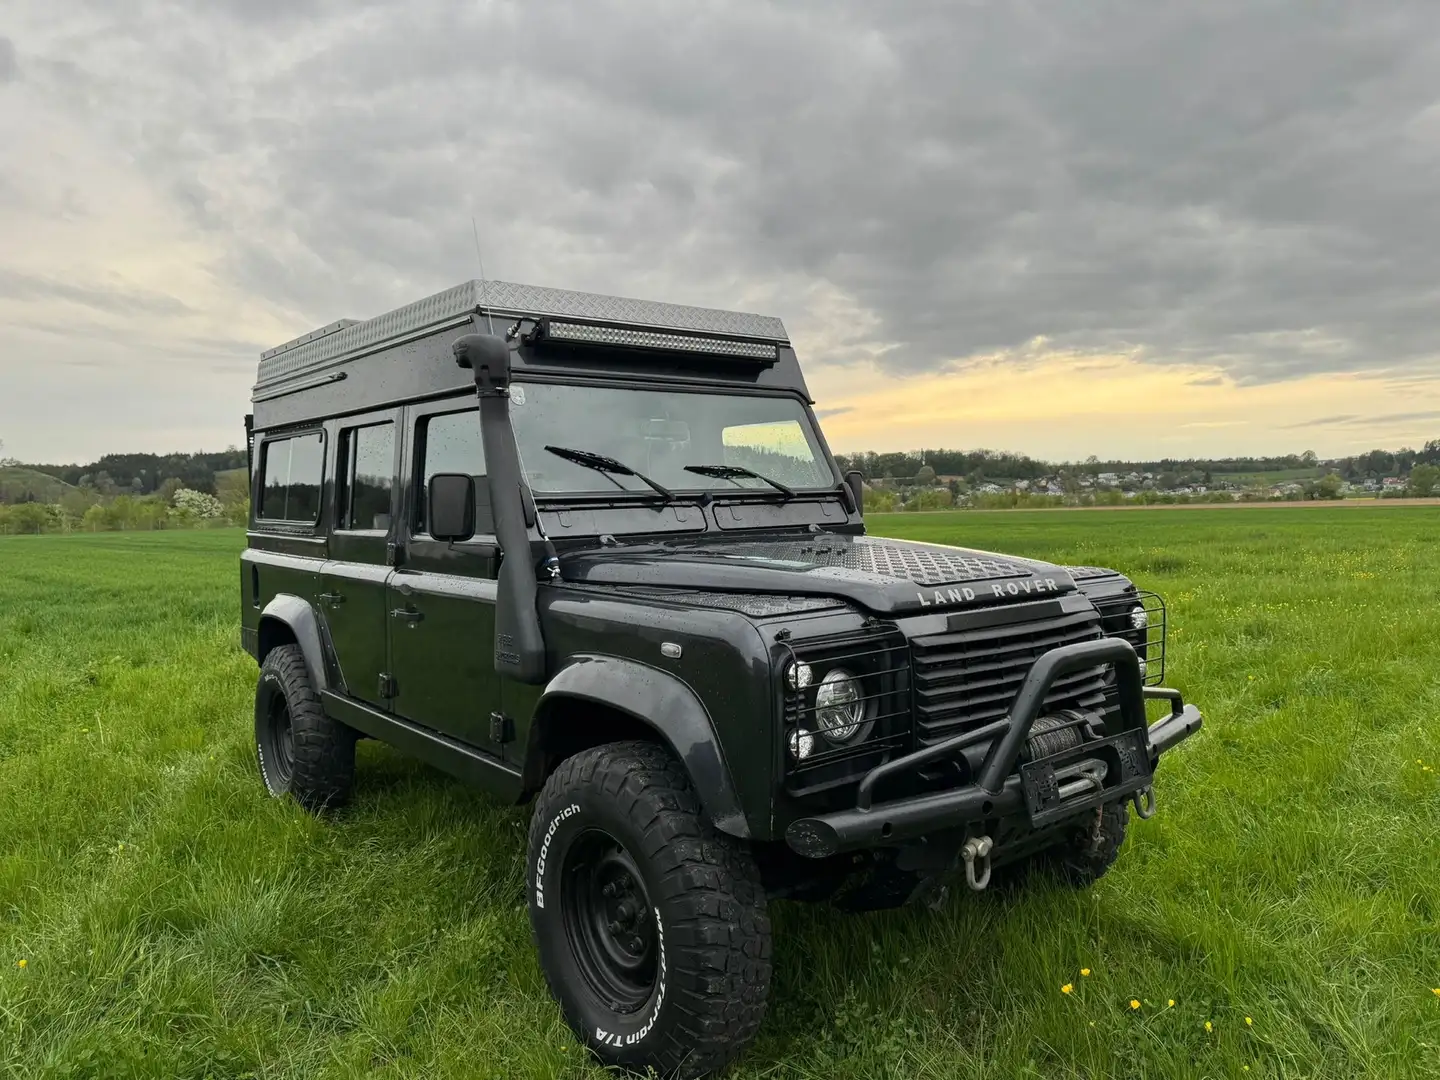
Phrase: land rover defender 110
(595, 552)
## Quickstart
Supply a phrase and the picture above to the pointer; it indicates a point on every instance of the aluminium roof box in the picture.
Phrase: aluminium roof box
(597, 318)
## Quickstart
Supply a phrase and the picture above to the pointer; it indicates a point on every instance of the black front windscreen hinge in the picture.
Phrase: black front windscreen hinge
(392, 554)
(388, 687)
(502, 728)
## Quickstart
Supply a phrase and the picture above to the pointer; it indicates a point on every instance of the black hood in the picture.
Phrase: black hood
(884, 576)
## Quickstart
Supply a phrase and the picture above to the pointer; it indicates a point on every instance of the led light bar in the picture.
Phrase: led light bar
(620, 337)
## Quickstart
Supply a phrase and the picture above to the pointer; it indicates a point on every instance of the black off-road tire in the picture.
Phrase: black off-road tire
(1084, 856)
(619, 840)
(302, 752)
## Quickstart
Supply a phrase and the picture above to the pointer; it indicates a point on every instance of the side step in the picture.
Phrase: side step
(449, 755)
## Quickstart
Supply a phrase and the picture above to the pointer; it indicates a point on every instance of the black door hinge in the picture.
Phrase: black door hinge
(502, 728)
(388, 689)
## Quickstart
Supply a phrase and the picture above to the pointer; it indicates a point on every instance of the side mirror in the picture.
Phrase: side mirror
(450, 504)
(855, 481)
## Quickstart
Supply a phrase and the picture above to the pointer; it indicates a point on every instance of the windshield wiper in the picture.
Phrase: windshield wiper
(608, 465)
(733, 472)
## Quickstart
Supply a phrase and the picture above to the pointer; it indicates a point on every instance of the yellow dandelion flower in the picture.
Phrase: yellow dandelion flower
(1208, 1027)
(1067, 988)
(1134, 1004)
(1249, 1022)
(1436, 991)
(1085, 971)
(22, 963)
(1170, 1004)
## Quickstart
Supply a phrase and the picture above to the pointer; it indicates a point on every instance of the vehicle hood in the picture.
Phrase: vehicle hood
(883, 576)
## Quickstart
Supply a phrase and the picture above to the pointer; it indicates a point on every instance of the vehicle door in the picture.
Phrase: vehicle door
(442, 595)
(352, 597)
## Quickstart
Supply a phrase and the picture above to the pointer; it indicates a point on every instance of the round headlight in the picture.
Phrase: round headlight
(1139, 618)
(840, 708)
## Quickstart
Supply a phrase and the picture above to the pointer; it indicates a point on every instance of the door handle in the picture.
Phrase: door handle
(334, 599)
(408, 614)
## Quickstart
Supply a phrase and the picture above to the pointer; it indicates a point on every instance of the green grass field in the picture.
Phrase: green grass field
(160, 916)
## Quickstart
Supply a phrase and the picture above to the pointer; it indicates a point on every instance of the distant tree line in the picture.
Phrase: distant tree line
(978, 466)
(144, 474)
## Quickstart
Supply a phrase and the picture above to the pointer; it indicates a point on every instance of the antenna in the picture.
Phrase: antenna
(484, 292)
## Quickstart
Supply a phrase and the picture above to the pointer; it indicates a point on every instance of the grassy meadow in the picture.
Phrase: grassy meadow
(1280, 917)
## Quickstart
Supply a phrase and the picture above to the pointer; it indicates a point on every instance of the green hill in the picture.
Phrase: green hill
(19, 484)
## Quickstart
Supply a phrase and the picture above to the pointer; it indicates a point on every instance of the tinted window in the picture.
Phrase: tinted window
(293, 468)
(451, 443)
(368, 477)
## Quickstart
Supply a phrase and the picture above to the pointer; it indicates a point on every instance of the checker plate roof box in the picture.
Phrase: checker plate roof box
(573, 316)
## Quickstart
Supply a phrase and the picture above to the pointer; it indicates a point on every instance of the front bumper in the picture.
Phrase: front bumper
(998, 791)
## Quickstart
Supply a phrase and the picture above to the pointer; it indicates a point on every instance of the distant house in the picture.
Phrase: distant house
(1393, 483)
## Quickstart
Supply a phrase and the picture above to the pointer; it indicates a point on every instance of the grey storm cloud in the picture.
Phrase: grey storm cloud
(1382, 420)
(1244, 185)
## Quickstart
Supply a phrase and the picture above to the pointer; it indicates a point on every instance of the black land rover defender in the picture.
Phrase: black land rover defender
(595, 552)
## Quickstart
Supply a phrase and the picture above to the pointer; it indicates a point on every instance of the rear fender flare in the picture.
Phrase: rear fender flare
(297, 616)
(670, 708)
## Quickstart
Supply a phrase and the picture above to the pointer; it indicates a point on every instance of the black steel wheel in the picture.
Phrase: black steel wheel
(301, 751)
(650, 924)
(609, 921)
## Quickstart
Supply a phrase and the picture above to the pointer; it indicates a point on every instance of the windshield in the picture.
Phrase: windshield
(658, 433)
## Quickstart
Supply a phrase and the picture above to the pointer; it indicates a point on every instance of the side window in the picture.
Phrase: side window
(293, 468)
(367, 456)
(450, 443)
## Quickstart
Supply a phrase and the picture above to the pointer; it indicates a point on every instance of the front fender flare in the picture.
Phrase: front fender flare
(298, 616)
(667, 705)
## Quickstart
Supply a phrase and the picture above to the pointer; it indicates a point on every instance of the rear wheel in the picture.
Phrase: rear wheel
(650, 924)
(302, 752)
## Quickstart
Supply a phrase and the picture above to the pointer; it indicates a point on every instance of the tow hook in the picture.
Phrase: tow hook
(977, 851)
(1144, 800)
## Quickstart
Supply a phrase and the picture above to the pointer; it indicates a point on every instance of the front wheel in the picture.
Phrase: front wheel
(650, 924)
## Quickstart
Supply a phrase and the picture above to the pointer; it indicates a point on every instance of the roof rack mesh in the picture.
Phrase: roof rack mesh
(318, 349)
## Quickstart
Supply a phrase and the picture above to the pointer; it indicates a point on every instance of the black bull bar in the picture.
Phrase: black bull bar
(997, 791)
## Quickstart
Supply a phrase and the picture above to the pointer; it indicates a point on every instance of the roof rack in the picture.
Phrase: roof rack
(347, 338)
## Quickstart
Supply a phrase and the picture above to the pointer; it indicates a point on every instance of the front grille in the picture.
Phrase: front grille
(968, 678)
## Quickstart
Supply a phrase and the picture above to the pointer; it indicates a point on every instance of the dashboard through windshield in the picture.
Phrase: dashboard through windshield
(659, 433)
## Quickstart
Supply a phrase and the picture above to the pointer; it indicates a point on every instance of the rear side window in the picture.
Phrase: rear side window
(367, 476)
(451, 444)
(293, 468)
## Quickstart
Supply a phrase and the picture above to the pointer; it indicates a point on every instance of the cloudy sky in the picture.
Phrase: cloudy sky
(1122, 228)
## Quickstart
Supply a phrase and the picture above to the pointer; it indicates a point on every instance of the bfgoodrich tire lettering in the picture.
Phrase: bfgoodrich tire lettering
(301, 751)
(650, 925)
